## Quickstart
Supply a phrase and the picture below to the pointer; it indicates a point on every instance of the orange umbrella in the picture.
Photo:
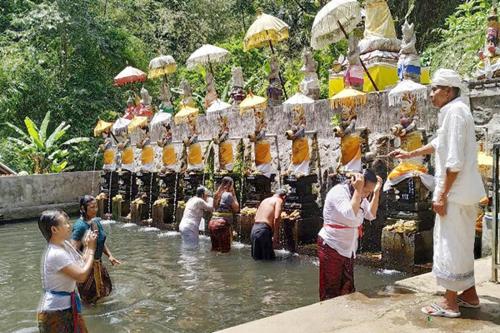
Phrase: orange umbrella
(129, 75)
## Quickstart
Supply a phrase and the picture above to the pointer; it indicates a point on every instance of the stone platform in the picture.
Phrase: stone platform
(392, 309)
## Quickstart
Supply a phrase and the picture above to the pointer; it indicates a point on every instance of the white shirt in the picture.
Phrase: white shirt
(456, 150)
(56, 258)
(193, 213)
(338, 210)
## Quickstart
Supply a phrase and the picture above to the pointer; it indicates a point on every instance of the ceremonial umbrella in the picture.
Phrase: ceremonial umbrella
(334, 22)
(405, 87)
(206, 55)
(138, 121)
(348, 97)
(121, 125)
(129, 75)
(184, 114)
(218, 107)
(253, 103)
(266, 30)
(298, 99)
(159, 119)
(161, 66)
(102, 126)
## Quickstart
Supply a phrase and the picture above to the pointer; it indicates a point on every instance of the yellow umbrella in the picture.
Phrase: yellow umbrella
(102, 126)
(348, 97)
(161, 66)
(137, 122)
(253, 103)
(265, 31)
(184, 114)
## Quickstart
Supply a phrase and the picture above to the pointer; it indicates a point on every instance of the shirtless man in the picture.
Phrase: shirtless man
(265, 231)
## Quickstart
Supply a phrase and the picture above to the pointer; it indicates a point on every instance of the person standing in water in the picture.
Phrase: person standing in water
(98, 284)
(193, 214)
(265, 231)
(62, 267)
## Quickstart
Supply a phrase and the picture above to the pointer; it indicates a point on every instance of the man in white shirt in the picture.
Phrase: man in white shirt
(459, 189)
(346, 207)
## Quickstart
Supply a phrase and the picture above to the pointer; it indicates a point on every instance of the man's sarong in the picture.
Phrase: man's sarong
(336, 272)
(60, 322)
(97, 285)
(454, 236)
(219, 228)
(262, 242)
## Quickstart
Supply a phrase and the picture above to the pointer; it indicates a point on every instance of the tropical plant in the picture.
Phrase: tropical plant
(47, 152)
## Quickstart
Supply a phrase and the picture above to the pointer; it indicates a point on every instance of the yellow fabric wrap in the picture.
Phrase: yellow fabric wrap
(350, 147)
(411, 141)
(262, 152)
(109, 156)
(406, 167)
(169, 157)
(300, 150)
(378, 20)
(128, 155)
(225, 153)
(98, 278)
(147, 155)
(195, 155)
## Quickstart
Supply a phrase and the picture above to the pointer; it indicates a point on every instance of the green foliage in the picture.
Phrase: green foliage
(48, 153)
(462, 37)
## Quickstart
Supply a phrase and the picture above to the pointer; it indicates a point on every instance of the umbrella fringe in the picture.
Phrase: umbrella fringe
(397, 98)
(262, 38)
(159, 72)
(348, 101)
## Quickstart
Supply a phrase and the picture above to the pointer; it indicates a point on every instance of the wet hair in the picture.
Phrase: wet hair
(200, 191)
(85, 201)
(370, 176)
(282, 192)
(48, 219)
(227, 181)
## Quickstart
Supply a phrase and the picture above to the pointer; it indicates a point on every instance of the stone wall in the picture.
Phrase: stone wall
(376, 115)
(485, 104)
(25, 197)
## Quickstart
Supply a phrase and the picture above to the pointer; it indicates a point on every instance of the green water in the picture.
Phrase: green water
(162, 288)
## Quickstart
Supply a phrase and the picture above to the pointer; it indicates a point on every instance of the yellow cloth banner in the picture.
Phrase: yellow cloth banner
(225, 153)
(406, 167)
(411, 141)
(169, 157)
(378, 20)
(300, 150)
(195, 156)
(109, 156)
(262, 152)
(128, 155)
(350, 147)
(147, 155)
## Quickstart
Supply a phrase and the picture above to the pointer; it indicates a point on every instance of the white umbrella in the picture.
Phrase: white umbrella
(159, 119)
(206, 55)
(407, 86)
(161, 65)
(336, 19)
(121, 125)
(298, 99)
(218, 107)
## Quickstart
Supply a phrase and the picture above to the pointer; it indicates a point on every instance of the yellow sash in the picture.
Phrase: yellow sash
(109, 156)
(169, 157)
(262, 152)
(128, 155)
(147, 155)
(195, 156)
(225, 153)
(406, 167)
(350, 147)
(300, 150)
(411, 141)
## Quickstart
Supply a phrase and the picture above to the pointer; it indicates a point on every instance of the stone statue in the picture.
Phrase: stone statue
(408, 138)
(237, 93)
(127, 152)
(194, 154)
(309, 86)
(299, 163)
(130, 110)
(262, 147)
(145, 108)
(187, 94)
(350, 141)
(354, 76)
(275, 90)
(490, 55)
(165, 97)
(147, 150)
(169, 157)
(409, 61)
(226, 158)
(109, 151)
(211, 95)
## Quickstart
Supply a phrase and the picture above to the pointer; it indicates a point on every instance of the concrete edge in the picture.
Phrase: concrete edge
(31, 212)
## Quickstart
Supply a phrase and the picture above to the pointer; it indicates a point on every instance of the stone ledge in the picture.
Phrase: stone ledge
(32, 212)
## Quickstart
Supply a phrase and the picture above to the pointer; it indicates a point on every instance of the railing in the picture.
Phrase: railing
(495, 265)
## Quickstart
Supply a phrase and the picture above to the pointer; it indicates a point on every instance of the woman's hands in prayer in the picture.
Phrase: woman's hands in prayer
(90, 241)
